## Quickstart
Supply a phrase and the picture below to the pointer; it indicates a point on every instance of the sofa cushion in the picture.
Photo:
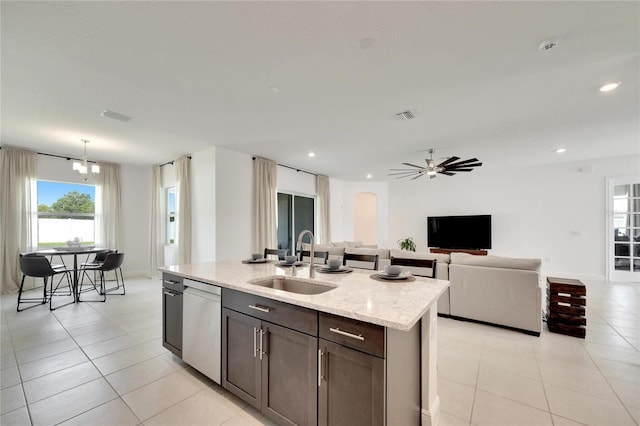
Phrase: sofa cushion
(382, 253)
(346, 244)
(333, 251)
(496, 261)
(404, 254)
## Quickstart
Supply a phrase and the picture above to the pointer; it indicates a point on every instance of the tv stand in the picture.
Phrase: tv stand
(449, 251)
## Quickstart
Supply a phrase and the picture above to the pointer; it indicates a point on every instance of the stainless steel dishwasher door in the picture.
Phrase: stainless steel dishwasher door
(201, 329)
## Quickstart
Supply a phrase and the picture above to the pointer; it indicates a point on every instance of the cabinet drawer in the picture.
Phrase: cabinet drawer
(363, 336)
(172, 282)
(280, 313)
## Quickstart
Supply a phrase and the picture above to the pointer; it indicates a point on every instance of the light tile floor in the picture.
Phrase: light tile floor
(103, 364)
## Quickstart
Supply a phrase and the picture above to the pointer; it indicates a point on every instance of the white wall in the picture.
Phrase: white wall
(233, 189)
(203, 206)
(556, 213)
(136, 202)
(296, 182)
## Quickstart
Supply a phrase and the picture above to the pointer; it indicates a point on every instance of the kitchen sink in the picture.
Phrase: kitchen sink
(292, 285)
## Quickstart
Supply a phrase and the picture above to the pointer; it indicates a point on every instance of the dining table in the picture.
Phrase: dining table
(74, 251)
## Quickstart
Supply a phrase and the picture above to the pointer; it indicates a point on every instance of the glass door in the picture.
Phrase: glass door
(295, 214)
(624, 229)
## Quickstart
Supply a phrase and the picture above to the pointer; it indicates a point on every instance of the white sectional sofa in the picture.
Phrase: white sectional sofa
(497, 290)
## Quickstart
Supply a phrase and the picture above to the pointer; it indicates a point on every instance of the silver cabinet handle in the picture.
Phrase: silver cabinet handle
(345, 333)
(170, 282)
(319, 367)
(255, 344)
(262, 333)
(169, 294)
(260, 308)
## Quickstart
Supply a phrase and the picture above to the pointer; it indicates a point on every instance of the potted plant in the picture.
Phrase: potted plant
(407, 244)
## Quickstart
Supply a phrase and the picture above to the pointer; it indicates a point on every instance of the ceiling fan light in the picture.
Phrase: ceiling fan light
(95, 168)
(431, 172)
(82, 170)
(76, 166)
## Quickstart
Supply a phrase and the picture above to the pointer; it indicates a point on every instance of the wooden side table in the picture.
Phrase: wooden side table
(566, 301)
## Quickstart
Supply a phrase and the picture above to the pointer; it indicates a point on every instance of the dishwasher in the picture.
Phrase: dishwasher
(201, 328)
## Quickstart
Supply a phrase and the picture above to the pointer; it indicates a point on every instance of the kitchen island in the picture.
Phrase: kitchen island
(386, 332)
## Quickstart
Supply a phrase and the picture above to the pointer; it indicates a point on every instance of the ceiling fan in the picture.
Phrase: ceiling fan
(448, 167)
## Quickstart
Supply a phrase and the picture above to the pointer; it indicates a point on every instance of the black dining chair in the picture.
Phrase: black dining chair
(319, 257)
(361, 261)
(113, 262)
(419, 267)
(281, 253)
(97, 260)
(38, 266)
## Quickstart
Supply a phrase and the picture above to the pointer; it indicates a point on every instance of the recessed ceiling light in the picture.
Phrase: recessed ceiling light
(311, 154)
(609, 87)
(561, 150)
(274, 89)
(369, 176)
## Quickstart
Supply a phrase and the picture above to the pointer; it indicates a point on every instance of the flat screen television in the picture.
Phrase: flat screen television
(459, 232)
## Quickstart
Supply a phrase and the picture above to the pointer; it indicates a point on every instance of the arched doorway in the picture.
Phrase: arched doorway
(365, 217)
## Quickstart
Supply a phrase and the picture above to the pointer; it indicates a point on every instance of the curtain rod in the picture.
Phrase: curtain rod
(292, 168)
(171, 162)
(66, 157)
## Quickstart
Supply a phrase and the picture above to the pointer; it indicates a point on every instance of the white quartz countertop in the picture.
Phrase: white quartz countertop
(394, 304)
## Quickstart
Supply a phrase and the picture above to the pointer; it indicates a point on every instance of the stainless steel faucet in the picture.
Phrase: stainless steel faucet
(312, 271)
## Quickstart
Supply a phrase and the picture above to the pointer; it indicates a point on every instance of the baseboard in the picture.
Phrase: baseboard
(431, 416)
(506, 327)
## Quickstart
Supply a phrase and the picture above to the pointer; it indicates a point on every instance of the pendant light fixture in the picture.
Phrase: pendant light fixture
(82, 168)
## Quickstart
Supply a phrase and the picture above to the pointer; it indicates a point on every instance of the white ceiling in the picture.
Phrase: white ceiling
(198, 74)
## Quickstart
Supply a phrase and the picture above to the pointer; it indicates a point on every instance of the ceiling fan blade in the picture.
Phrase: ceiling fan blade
(404, 176)
(471, 160)
(407, 170)
(464, 166)
(461, 170)
(413, 165)
(447, 173)
(419, 175)
(402, 173)
(448, 161)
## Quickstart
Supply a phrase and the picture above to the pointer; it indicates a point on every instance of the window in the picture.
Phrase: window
(65, 211)
(295, 214)
(170, 217)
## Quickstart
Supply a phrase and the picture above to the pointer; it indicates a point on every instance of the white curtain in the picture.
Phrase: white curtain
(323, 196)
(18, 212)
(264, 205)
(183, 211)
(108, 219)
(156, 255)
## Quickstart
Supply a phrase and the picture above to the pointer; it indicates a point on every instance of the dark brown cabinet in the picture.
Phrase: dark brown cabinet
(272, 367)
(300, 366)
(351, 390)
(172, 289)
(352, 372)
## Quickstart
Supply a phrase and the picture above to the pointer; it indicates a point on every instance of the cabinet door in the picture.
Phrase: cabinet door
(172, 321)
(240, 359)
(289, 375)
(352, 387)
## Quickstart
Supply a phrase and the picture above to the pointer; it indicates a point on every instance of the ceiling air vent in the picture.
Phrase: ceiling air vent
(405, 115)
(115, 115)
